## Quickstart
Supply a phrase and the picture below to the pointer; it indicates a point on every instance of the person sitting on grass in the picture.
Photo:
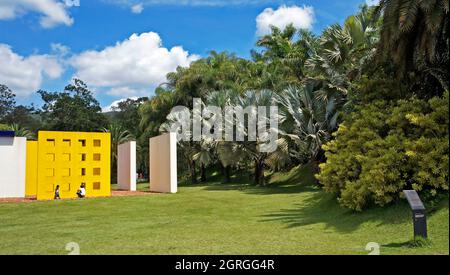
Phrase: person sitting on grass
(82, 191)
(57, 197)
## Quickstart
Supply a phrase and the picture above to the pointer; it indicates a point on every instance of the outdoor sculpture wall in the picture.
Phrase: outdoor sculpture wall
(163, 163)
(12, 166)
(68, 159)
(126, 166)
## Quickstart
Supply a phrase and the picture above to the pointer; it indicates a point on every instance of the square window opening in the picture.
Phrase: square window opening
(51, 142)
(97, 157)
(96, 172)
(96, 185)
(82, 142)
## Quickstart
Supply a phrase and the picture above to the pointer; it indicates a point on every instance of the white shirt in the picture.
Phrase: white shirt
(83, 191)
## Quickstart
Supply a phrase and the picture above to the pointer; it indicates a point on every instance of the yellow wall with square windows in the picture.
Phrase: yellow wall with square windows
(68, 159)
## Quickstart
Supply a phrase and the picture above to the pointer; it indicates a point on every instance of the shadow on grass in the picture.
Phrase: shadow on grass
(413, 243)
(323, 208)
(299, 179)
(260, 190)
(314, 205)
(398, 245)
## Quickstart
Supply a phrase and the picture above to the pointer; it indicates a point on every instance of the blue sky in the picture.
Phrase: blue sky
(43, 47)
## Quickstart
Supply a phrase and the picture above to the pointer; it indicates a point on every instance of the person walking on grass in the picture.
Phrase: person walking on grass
(82, 191)
(57, 197)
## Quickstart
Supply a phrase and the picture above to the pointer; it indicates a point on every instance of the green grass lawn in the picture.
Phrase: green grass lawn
(289, 217)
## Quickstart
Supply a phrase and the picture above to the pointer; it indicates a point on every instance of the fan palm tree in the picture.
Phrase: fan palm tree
(203, 156)
(344, 53)
(226, 152)
(314, 119)
(253, 148)
(231, 153)
(281, 157)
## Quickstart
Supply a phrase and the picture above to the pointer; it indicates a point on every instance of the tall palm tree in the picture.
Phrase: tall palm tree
(228, 153)
(232, 153)
(287, 49)
(344, 53)
(154, 111)
(415, 34)
(203, 157)
(253, 148)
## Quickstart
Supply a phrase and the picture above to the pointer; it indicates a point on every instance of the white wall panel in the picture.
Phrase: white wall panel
(13, 157)
(126, 166)
(163, 163)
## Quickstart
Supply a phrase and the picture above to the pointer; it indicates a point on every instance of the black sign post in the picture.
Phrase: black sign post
(418, 211)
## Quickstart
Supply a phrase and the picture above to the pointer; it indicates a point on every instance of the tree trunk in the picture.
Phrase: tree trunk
(316, 169)
(222, 169)
(203, 173)
(262, 179)
(193, 172)
(257, 175)
(227, 174)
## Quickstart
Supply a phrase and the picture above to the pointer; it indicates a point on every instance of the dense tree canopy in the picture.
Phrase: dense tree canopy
(7, 102)
(74, 109)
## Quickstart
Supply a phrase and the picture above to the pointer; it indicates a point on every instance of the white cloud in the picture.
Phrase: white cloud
(53, 12)
(372, 2)
(24, 75)
(138, 8)
(139, 61)
(127, 91)
(115, 104)
(60, 49)
(72, 3)
(300, 17)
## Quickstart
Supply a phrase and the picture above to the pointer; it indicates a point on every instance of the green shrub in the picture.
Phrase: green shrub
(4, 127)
(385, 147)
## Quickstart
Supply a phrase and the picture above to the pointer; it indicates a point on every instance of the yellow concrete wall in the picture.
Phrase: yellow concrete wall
(69, 158)
(31, 170)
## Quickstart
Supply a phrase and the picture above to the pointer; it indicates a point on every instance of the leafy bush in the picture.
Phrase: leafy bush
(385, 147)
(4, 127)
